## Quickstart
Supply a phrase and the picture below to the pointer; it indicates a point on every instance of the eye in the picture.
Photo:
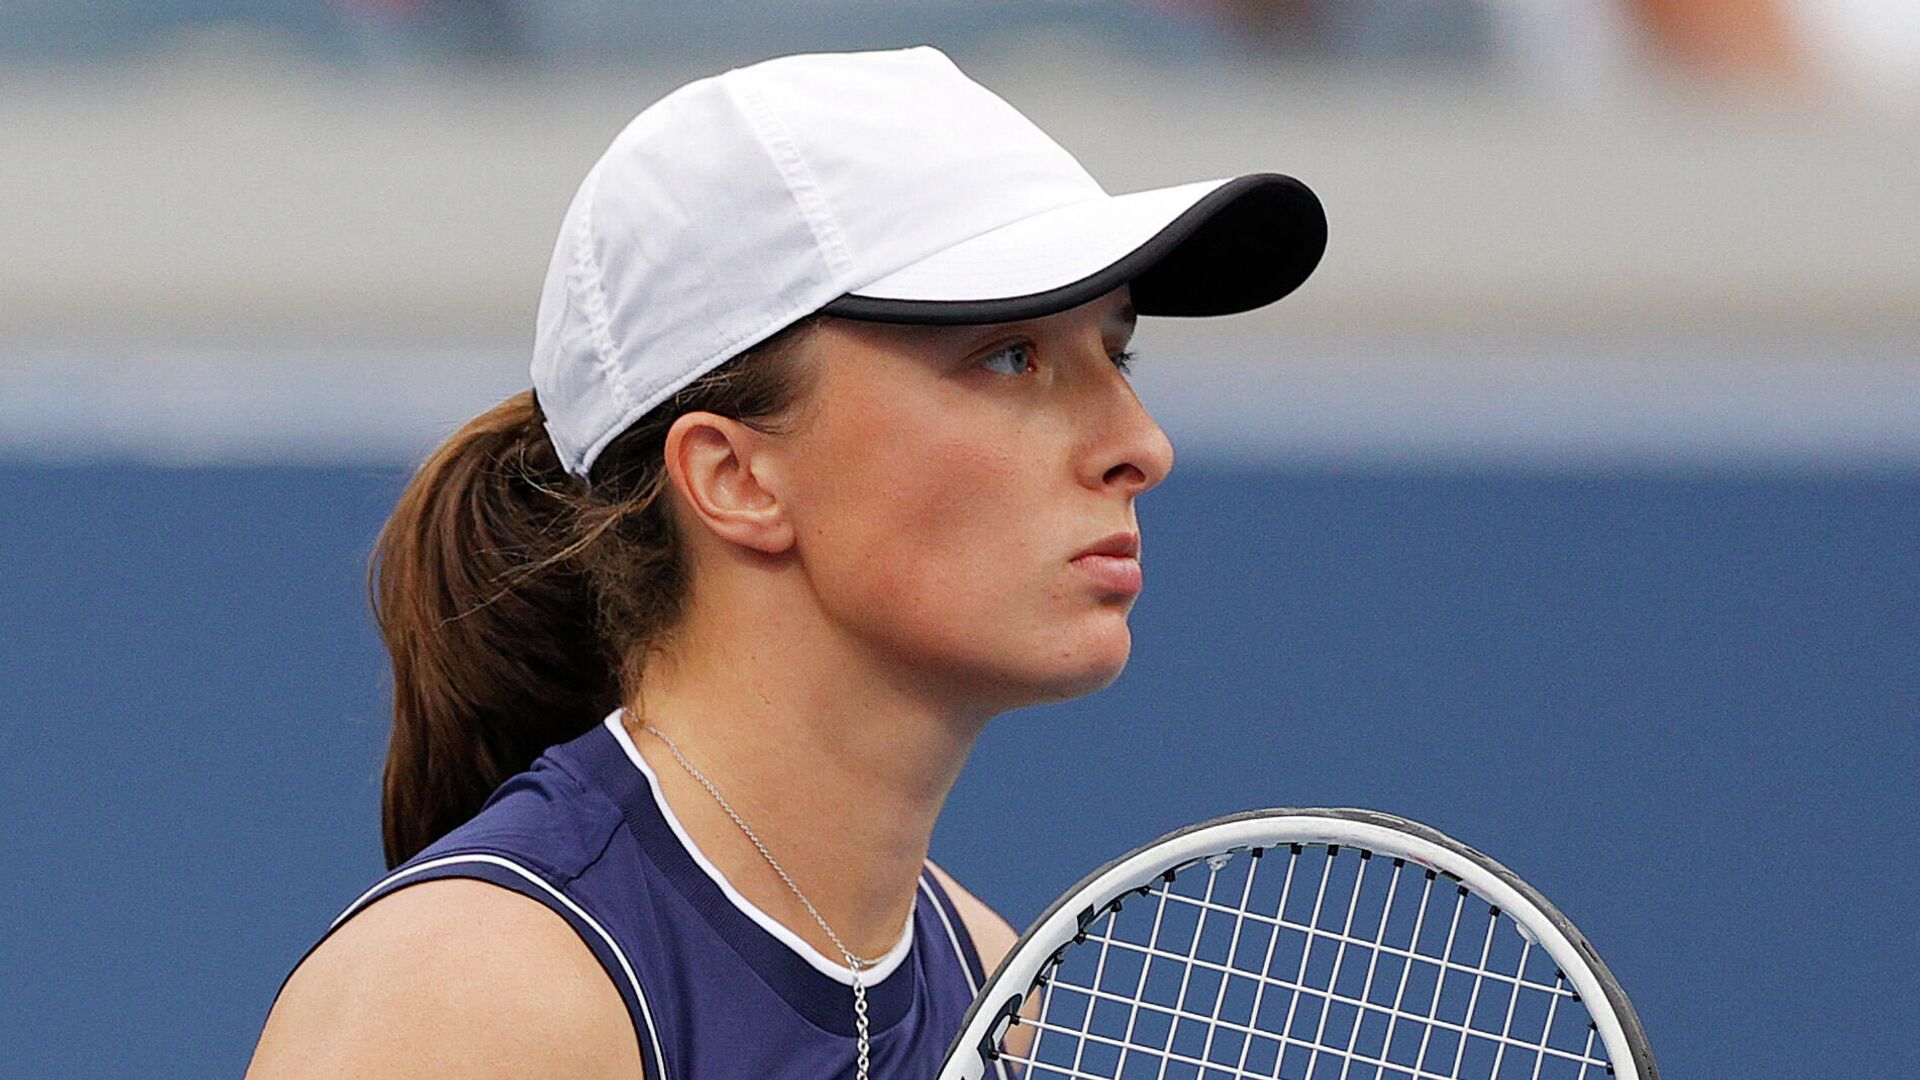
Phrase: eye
(1018, 358)
(1013, 359)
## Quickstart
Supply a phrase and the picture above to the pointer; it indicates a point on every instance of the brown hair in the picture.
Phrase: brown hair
(517, 603)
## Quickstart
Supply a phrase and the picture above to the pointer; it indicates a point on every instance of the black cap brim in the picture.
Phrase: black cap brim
(1243, 245)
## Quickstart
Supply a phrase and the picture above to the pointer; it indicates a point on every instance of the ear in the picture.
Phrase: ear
(719, 469)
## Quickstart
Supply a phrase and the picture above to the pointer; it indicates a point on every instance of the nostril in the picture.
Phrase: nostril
(1126, 473)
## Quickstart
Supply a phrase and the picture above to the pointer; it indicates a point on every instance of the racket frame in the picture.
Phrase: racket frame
(971, 1053)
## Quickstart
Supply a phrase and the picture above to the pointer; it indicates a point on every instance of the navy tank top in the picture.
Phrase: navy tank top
(716, 988)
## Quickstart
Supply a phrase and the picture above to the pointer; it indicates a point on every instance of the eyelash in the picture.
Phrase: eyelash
(1123, 359)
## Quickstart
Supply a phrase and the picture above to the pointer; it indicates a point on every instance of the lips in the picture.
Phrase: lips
(1124, 544)
(1113, 564)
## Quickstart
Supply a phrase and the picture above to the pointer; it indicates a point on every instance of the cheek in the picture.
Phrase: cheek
(950, 528)
(954, 558)
(922, 521)
(934, 522)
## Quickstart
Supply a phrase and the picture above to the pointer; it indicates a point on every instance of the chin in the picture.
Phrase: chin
(1079, 669)
(1059, 664)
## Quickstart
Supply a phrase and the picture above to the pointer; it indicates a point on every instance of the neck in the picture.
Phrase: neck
(837, 767)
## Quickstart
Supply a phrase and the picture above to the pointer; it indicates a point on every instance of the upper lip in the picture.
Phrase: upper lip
(1124, 544)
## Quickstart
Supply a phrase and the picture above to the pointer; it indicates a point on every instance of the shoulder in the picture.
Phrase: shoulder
(993, 936)
(552, 817)
(452, 977)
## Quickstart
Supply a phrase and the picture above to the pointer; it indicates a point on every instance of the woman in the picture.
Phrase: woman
(830, 459)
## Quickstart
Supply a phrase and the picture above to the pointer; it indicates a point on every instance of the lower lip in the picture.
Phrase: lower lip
(1112, 573)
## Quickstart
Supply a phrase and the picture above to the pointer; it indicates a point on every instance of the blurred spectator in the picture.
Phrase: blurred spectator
(1852, 45)
(1445, 30)
(1863, 45)
(1745, 39)
(478, 29)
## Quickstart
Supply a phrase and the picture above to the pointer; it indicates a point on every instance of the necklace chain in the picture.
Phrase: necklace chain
(855, 963)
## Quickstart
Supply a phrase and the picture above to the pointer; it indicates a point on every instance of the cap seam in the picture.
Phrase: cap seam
(796, 175)
(586, 283)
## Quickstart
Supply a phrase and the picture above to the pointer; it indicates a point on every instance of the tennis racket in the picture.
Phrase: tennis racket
(1302, 944)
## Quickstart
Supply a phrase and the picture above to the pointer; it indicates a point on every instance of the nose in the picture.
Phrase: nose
(1130, 453)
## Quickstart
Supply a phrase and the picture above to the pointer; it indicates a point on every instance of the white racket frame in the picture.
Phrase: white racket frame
(1368, 830)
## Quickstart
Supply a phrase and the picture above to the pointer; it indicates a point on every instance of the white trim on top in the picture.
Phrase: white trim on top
(953, 938)
(818, 960)
(658, 1060)
(966, 969)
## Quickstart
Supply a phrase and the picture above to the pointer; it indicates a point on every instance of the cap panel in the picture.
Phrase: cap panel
(686, 245)
(698, 235)
(1042, 251)
(903, 171)
(785, 156)
(572, 377)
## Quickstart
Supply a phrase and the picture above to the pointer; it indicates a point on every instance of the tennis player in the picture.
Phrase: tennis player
(830, 458)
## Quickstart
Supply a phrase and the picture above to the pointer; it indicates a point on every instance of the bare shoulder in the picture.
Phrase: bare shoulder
(449, 978)
(993, 936)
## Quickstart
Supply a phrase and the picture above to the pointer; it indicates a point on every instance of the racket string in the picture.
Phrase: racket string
(1233, 949)
(1306, 955)
(1099, 969)
(1373, 961)
(1266, 962)
(1479, 980)
(1513, 999)
(1100, 1018)
(1339, 957)
(1559, 987)
(1174, 1013)
(1591, 1032)
(1186, 970)
(1211, 1068)
(1133, 1014)
(1553, 1006)
(1406, 967)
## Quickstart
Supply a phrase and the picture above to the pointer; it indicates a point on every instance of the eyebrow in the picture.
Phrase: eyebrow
(1126, 316)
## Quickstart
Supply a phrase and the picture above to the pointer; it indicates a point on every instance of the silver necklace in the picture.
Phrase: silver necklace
(855, 964)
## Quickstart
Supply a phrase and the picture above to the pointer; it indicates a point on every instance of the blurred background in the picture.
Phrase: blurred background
(1572, 506)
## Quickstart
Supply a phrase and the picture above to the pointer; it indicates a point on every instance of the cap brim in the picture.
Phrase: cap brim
(1209, 248)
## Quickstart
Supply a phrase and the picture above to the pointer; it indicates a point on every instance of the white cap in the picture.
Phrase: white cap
(876, 185)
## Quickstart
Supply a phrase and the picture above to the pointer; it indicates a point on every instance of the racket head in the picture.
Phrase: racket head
(1087, 917)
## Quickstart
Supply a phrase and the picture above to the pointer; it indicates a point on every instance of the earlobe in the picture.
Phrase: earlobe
(717, 468)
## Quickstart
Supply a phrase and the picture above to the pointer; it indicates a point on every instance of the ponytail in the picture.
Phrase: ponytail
(517, 603)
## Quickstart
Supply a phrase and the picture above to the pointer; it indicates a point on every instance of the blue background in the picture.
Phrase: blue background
(1687, 707)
